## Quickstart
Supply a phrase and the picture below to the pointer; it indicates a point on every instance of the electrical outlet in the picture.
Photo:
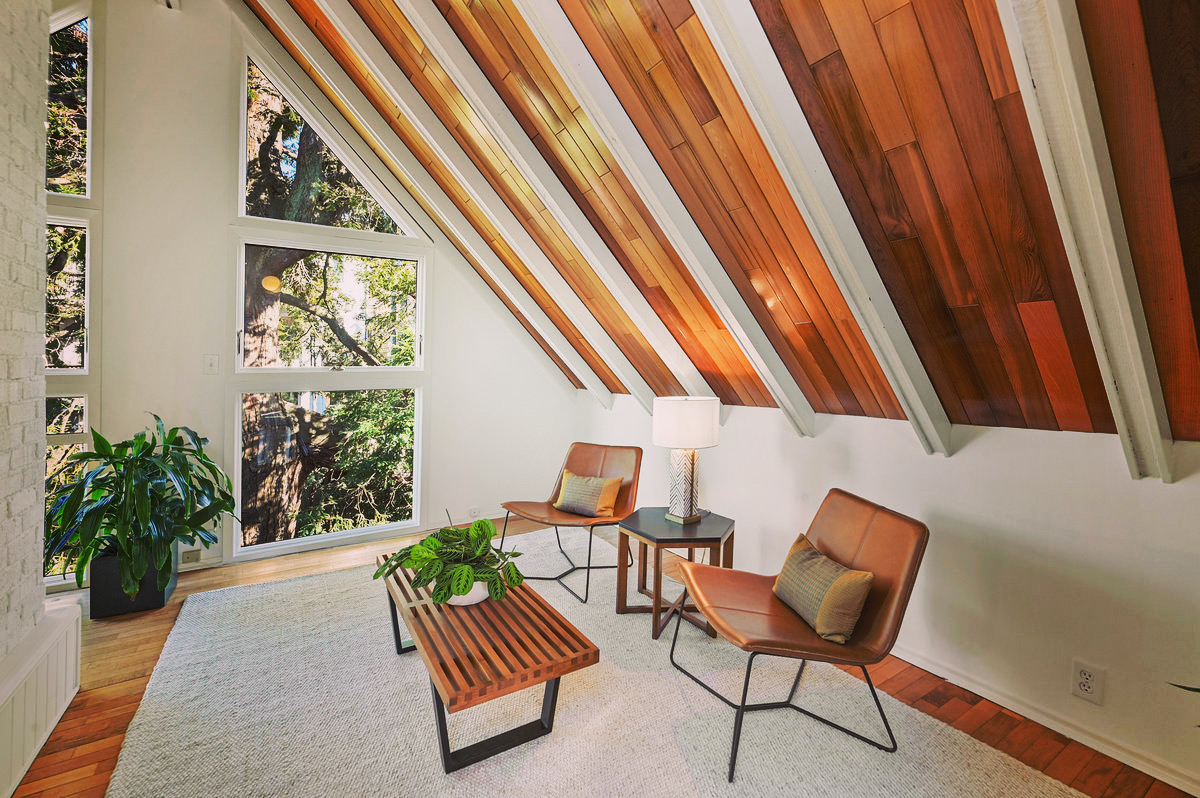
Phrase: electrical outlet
(472, 512)
(190, 556)
(212, 364)
(1087, 681)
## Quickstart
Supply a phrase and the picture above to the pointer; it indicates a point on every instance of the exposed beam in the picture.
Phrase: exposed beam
(1051, 63)
(443, 43)
(749, 58)
(371, 52)
(597, 99)
(413, 174)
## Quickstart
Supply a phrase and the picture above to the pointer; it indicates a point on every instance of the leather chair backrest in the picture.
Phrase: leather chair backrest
(598, 460)
(867, 537)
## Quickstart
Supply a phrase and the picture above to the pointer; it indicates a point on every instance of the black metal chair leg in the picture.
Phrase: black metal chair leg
(573, 568)
(743, 707)
(504, 531)
(737, 721)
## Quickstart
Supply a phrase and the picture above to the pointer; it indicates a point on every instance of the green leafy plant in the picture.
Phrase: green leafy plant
(454, 559)
(136, 499)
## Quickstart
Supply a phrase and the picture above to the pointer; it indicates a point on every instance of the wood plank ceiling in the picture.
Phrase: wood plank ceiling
(427, 76)
(521, 73)
(916, 109)
(672, 84)
(1145, 62)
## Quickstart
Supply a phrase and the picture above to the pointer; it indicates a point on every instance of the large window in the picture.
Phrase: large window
(66, 297)
(329, 338)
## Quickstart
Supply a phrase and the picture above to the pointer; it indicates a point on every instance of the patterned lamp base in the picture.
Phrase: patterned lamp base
(683, 508)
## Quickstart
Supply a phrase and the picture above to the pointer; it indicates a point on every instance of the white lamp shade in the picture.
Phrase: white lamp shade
(686, 422)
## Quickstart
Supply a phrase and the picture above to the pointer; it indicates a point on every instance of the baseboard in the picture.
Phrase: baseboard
(37, 683)
(1148, 763)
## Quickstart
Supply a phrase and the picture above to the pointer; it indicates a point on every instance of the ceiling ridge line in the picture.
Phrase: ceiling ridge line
(367, 47)
(739, 40)
(450, 52)
(413, 170)
(577, 69)
(1060, 101)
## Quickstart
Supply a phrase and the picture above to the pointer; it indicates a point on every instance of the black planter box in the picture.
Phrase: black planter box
(107, 597)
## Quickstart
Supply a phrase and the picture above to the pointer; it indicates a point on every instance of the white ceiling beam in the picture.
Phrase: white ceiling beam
(743, 47)
(597, 99)
(375, 58)
(445, 46)
(413, 173)
(1048, 52)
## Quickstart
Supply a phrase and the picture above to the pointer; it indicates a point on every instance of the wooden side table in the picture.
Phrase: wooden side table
(651, 529)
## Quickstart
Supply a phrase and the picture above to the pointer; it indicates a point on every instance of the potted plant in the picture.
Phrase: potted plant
(127, 508)
(461, 564)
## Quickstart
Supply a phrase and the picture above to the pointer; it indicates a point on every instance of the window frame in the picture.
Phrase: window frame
(411, 243)
(61, 17)
(84, 221)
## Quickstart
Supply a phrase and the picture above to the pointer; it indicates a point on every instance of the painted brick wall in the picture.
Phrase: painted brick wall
(24, 42)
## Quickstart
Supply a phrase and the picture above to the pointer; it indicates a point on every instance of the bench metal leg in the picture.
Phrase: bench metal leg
(496, 744)
(401, 646)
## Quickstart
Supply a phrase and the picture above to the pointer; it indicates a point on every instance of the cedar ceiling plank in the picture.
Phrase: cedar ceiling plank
(1049, 343)
(675, 57)
(881, 390)
(610, 381)
(1173, 42)
(848, 397)
(1125, 88)
(859, 46)
(951, 48)
(992, 47)
(850, 118)
(973, 329)
(523, 59)
(951, 371)
(881, 8)
(1058, 271)
(807, 19)
(905, 48)
(933, 225)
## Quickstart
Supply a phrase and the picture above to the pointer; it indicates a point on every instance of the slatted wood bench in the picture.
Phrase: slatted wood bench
(487, 650)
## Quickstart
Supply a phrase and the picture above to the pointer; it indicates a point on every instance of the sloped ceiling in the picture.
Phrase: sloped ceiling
(917, 111)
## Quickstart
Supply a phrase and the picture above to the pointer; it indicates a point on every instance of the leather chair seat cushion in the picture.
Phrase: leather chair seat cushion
(744, 609)
(545, 513)
(590, 496)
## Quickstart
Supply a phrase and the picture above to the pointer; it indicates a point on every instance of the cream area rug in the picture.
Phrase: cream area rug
(294, 689)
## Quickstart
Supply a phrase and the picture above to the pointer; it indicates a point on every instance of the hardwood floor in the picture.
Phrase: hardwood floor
(120, 653)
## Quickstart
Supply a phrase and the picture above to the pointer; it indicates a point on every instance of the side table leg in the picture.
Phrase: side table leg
(727, 556)
(657, 599)
(622, 570)
(642, 549)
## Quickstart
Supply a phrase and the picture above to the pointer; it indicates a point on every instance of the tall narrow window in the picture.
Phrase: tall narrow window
(66, 298)
(67, 110)
(339, 298)
(66, 429)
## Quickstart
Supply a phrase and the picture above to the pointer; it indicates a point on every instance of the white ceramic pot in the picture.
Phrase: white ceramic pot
(478, 593)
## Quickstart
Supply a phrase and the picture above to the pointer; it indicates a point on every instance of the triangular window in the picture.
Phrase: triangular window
(291, 174)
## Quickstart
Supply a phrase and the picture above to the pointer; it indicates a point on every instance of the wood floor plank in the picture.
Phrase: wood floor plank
(1097, 775)
(1070, 763)
(1129, 783)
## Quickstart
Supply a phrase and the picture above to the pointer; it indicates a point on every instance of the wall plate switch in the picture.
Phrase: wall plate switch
(212, 363)
(190, 556)
(1087, 681)
(472, 512)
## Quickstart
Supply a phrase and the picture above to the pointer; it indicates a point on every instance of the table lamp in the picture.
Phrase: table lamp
(684, 424)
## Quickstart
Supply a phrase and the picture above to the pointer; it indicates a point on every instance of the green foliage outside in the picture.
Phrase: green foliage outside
(370, 480)
(66, 296)
(66, 107)
(453, 560)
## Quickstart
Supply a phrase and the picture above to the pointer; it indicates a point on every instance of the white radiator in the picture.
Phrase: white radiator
(37, 682)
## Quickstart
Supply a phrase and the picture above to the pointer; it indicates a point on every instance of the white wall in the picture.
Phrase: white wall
(24, 42)
(498, 413)
(1042, 549)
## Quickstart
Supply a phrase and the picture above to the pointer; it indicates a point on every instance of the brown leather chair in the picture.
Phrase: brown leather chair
(744, 609)
(589, 460)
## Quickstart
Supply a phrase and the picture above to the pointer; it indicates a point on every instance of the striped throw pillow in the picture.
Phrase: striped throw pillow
(826, 594)
(590, 496)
